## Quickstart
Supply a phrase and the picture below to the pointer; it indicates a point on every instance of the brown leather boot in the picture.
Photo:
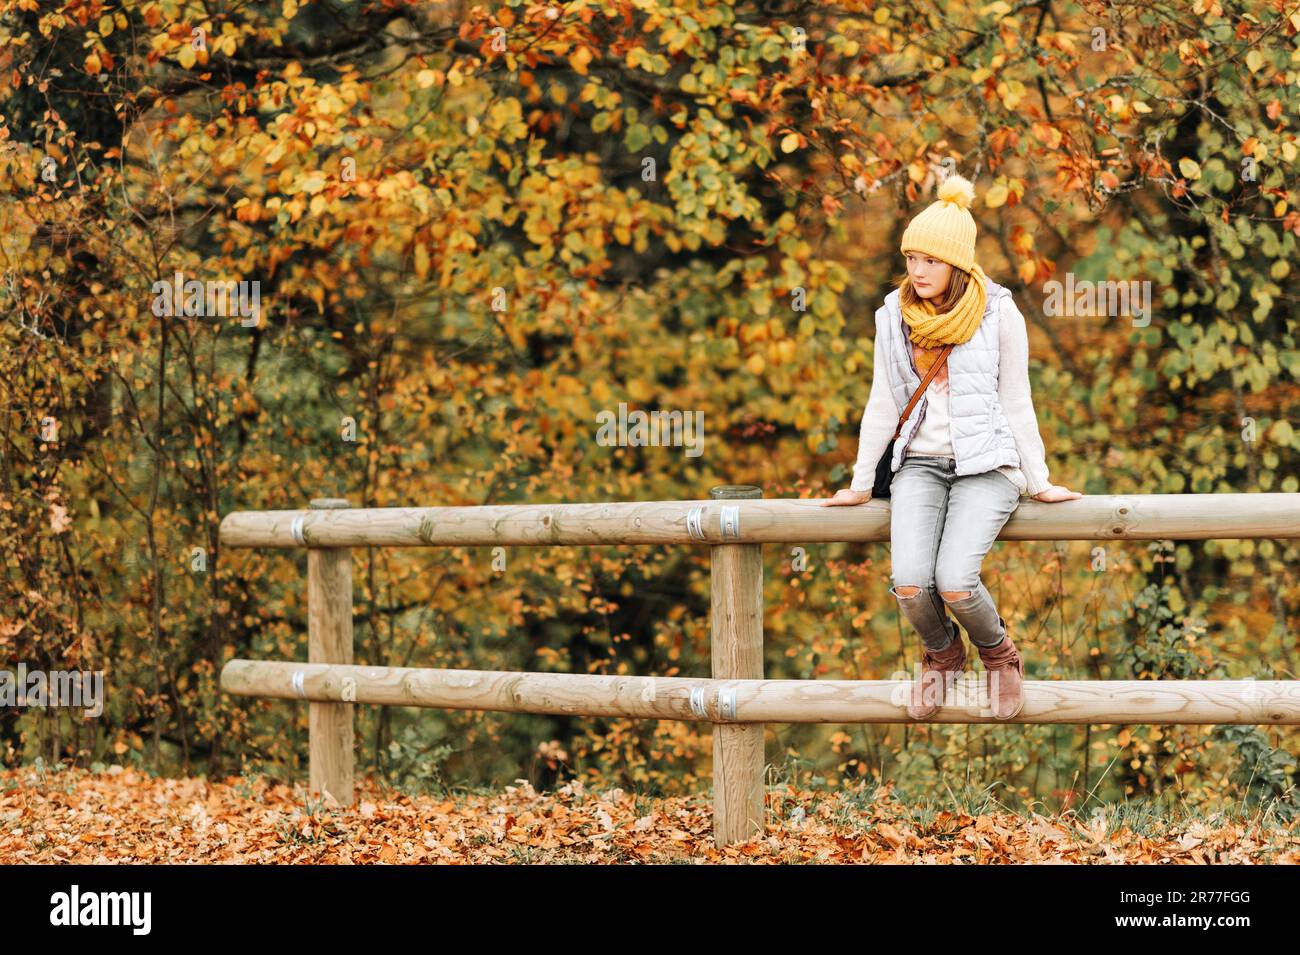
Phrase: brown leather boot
(1005, 671)
(939, 670)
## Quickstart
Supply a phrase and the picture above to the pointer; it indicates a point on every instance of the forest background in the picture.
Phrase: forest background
(475, 227)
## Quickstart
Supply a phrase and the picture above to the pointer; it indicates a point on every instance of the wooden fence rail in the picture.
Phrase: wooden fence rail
(734, 523)
(1253, 702)
(727, 521)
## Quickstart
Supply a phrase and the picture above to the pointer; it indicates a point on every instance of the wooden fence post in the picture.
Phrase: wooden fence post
(329, 640)
(736, 585)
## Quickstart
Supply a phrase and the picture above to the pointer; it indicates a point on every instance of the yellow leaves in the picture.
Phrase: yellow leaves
(1004, 192)
(1289, 151)
(1254, 60)
(640, 390)
(227, 43)
(105, 25)
(426, 78)
(756, 364)
(421, 259)
(92, 63)
(290, 9)
(575, 242)
(1011, 92)
(579, 59)
(789, 142)
(1189, 168)
(504, 111)
(295, 208)
(312, 183)
(1047, 134)
(1123, 109)
(1254, 148)
(329, 103)
(187, 56)
(507, 117)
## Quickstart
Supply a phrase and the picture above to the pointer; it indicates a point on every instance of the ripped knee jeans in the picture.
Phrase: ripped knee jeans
(941, 526)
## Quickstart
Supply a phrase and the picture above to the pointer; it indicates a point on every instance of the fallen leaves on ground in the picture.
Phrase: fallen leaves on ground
(123, 816)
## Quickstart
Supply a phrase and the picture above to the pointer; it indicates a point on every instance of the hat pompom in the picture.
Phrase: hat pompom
(957, 190)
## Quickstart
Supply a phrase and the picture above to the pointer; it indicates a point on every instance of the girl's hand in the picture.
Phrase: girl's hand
(1056, 493)
(847, 496)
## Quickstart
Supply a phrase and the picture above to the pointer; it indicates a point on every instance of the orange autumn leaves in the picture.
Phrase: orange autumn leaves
(127, 817)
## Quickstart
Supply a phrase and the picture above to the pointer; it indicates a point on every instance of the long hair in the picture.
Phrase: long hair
(945, 301)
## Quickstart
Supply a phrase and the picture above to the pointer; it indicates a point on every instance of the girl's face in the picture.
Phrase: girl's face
(929, 275)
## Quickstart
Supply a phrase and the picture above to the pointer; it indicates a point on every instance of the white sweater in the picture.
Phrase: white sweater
(880, 417)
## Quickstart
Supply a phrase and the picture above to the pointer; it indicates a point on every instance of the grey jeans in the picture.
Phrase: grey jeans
(941, 526)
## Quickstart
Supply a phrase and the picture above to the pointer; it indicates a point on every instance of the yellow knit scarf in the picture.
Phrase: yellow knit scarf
(930, 329)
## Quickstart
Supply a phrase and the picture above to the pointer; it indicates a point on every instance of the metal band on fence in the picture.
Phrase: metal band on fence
(296, 530)
(730, 521)
(697, 703)
(727, 702)
(299, 686)
(695, 522)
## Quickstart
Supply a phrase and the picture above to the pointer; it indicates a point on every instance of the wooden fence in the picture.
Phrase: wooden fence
(733, 523)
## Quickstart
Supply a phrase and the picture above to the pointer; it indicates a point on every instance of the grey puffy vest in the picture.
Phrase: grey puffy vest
(981, 435)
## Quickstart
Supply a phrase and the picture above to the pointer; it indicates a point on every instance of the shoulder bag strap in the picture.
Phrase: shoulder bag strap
(925, 383)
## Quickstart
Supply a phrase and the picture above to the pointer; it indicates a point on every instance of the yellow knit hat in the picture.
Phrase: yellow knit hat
(946, 229)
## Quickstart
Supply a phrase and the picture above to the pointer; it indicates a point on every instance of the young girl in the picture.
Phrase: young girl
(964, 456)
